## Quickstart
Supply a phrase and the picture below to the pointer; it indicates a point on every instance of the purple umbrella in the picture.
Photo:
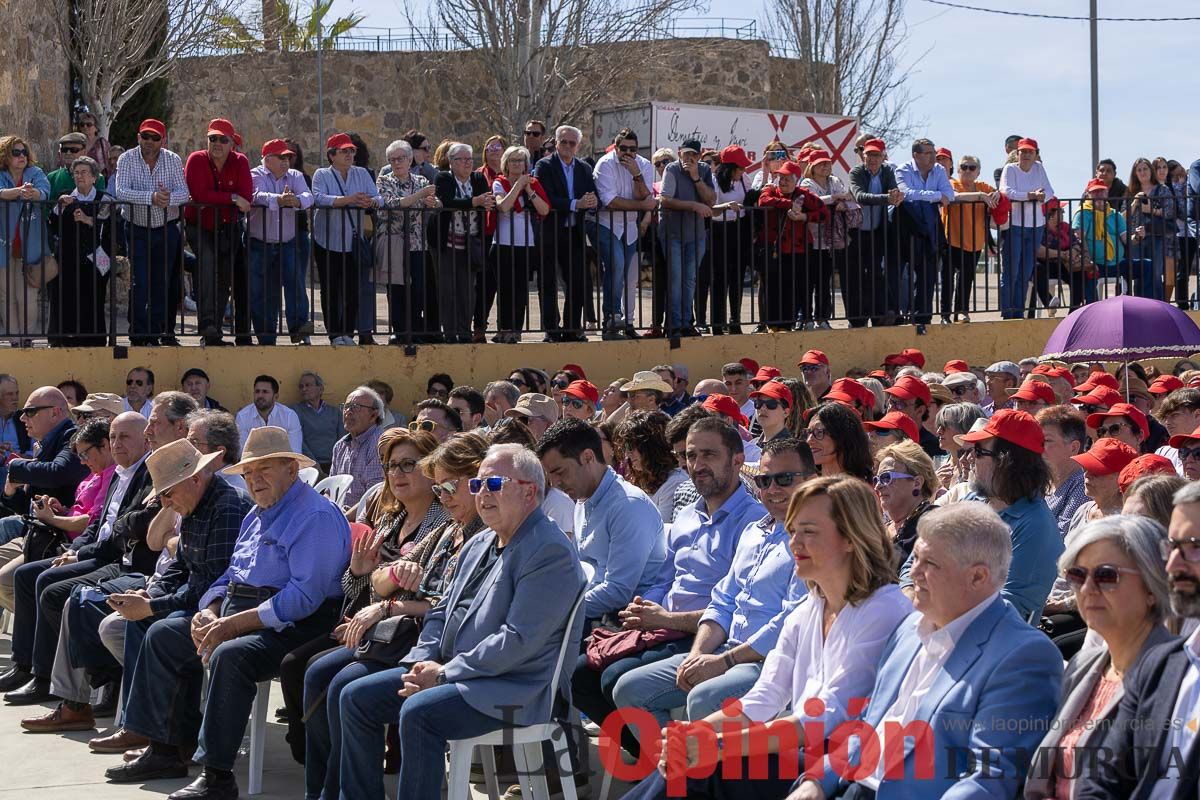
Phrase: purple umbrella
(1123, 328)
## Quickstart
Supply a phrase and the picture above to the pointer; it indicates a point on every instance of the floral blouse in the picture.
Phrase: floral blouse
(395, 223)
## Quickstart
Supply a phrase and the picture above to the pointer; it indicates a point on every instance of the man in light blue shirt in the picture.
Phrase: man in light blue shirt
(700, 552)
(743, 619)
(618, 529)
(925, 186)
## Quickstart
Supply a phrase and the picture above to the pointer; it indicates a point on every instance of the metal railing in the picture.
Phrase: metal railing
(447, 275)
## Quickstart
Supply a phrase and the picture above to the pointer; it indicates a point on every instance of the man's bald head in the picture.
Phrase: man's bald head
(48, 396)
(711, 386)
(47, 408)
(127, 438)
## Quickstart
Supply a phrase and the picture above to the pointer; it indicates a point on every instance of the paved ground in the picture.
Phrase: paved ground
(59, 766)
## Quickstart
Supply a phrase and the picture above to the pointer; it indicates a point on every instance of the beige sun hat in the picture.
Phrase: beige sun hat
(534, 405)
(978, 425)
(647, 380)
(101, 401)
(263, 443)
(174, 463)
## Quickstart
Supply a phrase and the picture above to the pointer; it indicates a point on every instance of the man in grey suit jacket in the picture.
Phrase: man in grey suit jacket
(868, 287)
(487, 653)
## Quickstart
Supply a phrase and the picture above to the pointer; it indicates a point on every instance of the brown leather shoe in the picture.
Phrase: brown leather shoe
(118, 742)
(61, 719)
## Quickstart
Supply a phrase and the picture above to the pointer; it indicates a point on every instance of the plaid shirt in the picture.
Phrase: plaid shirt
(136, 184)
(358, 456)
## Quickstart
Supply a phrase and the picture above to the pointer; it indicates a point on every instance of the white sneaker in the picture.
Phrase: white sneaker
(189, 303)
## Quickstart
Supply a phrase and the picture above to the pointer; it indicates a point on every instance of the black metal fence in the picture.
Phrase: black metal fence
(109, 273)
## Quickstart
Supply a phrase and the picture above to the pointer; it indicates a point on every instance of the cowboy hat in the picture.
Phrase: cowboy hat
(174, 463)
(263, 443)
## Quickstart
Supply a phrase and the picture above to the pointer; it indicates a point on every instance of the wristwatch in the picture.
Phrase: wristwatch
(440, 680)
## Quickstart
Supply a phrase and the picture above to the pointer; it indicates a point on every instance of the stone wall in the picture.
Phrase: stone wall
(33, 78)
(380, 95)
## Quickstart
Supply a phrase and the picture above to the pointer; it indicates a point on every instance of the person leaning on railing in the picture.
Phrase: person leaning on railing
(518, 194)
(22, 239)
(80, 221)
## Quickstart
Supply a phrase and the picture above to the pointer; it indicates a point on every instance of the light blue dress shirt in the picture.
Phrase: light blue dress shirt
(700, 551)
(761, 587)
(332, 228)
(300, 546)
(930, 189)
(620, 533)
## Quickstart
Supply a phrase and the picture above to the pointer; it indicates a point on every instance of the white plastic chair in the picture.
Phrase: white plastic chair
(335, 487)
(6, 622)
(310, 475)
(526, 742)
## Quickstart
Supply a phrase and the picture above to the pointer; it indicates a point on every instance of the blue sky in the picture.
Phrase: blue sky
(985, 76)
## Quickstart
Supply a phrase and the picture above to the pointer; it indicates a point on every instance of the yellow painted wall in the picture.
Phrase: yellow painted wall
(232, 369)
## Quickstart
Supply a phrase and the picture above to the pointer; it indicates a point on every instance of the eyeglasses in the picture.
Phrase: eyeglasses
(467, 159)
(569, 142)
(446, 487)
(351, 150)
(813, 433)
(134, 382)
(517, 382)
(214, 139)
(1105, 576)
(887, 477)
(780, 479)
(19, 152)
(574, 402)
(808, 368)
(493, 483)
(363, 406)
(70, 150)
(85, 453)
(1110, 430)
(427, 425)
(1189, 547)
(680, 456)
(29, 411)
(982, 452)
(1188, 452)
(560, 384)
(624, 149)
(494, 148)
(1086, 409)
(149, 137)
(968, 167)
(959, 391)
(769, 403)
(443, 393)
(405, 465)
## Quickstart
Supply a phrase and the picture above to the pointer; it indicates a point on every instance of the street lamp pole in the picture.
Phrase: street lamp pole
(321, 87)
(1092, 22)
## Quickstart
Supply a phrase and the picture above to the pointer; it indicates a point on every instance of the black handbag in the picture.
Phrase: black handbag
(42, 541)
(389, 640)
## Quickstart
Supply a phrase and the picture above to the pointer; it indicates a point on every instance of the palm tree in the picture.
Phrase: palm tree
(280, 27)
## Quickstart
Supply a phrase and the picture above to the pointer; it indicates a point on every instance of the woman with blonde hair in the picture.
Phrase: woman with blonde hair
(828, 648)
(906, 483)
(520, 203)
(23, 247)
(774, 155)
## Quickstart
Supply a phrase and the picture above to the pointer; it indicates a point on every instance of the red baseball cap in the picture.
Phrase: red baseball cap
(957, 365)
(221, 127)
(909, 356)
(1095, 379)
(277, 147)
(1096, 184)
(1121, 410)
(774, 389)
(1165, 384)
(910, 388)
(1149, 464)
(765, 373)
(338, 141)
(726, 406)
(736, 155)
(583, 390)
(1100, 396)
(237, 140)
(1180, 439)
(1028, 144)
(790, 168)
(834, 396)
(1106, 457)
(1015, 427)
(879, 375)
(1051, 371)
(853, 390)
(944, 152)
(896, 421)
(819, 157)
(1053, 204)
(578, 370)
(813, 357)
(153, 126)
(750, 364)
(874, 146)
(1033, 391)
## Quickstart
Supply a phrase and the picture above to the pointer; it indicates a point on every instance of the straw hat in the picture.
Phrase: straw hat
(100, 401)
(263, 443)
(174, 463)
(647, 380)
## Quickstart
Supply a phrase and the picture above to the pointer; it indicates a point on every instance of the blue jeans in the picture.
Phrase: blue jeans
(1019, 260)
(328, 675)
(616, 257)
(683, 258)
(154, 255)
(10, 527)
(428, 720)
(275, 265)
(1147, 263)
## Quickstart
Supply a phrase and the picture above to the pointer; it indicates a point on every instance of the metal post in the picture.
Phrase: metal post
(1095, 87)
(320, 87)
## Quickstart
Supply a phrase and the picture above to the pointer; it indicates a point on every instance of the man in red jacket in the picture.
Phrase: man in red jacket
(219, 181)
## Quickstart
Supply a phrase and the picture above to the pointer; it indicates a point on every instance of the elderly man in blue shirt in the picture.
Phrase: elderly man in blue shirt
(619, 531)
(742, 622)
(700, 551)
(925, 186)
(282, 589)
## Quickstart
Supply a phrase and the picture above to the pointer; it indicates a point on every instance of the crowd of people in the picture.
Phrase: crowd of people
(940, 541)
(455, 239)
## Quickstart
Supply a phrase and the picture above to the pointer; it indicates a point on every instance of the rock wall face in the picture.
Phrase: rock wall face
(33, 79)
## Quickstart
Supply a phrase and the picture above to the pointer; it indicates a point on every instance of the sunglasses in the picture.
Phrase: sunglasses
(1189, 547)
(535, 134)
(1188, 452)
(662, 163)
(149, 137)
(982, 452)
(811, 367)
(19, 152)
(898, 405)
(574, 402)
(887, 477)
(1086, 409)
(1110, 430)
(1105, 576)
(818, 434)
(560, 384)
(29, 411)
(134, 382)
(968, 167)
(493, 483)
(222, 139)
(70, 150)
(445, 488)
(623, 149)
(517, 382)
(780, 479)
(427, 425)
(438, 392)
(569, 142)
(405, 465)
(769, 403)
(959, 391)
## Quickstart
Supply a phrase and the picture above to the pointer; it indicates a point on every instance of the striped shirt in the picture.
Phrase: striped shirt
(136, 184)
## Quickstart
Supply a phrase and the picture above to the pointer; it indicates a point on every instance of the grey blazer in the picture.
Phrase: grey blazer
(506, 648)
(1079, 680)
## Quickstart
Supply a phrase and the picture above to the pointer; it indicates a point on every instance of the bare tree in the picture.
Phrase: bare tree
(118, 46)
(541, 56)
(850, 54)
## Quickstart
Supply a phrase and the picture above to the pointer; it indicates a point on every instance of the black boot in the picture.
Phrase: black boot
(17, 676)
(213, 784)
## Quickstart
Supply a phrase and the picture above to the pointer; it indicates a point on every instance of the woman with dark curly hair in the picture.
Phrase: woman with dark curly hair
(838, 441)
(649, 462)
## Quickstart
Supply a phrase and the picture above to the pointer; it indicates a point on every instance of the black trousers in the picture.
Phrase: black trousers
(218, 252)
(921, 255)
(485, 293)
(867, 276)
(338, 274)
(816, 303)
(291, 681)
(958, 280)
(563, 254)
(727, 256)
(512, 269)
(457, 272)
(41, 594)
(718, 787)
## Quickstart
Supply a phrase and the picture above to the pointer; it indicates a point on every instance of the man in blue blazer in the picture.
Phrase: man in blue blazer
(973, 685)
(487, 653)
(569, 184)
